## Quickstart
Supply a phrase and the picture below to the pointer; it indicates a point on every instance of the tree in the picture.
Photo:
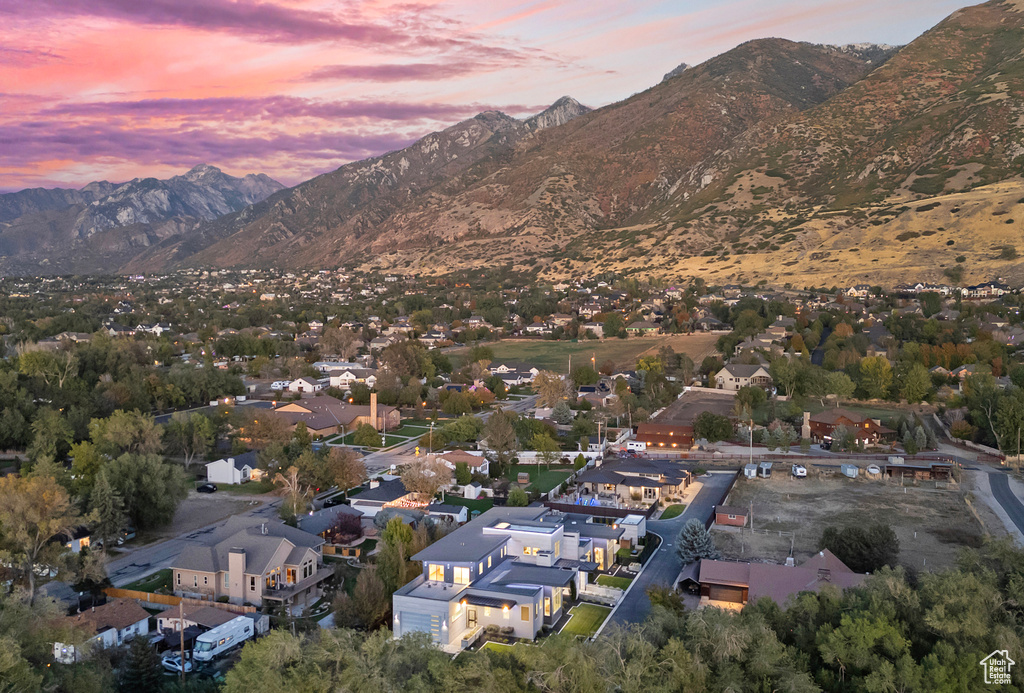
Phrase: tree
(150, 487)
(786, 372)
(190, 435)
(51, 436)
(126, 432)
(32, 512)
(551, 388)
(368, 607)
(52, 367)
(916, 384)
(295, 491)
(864, 549)
(546, 447)
(462, 474)
(266, 428)
(426, 477)
(580, 462)
(108, 509)
(712, 427)
(584, 375)
(614, 326)
(500, 434)
(750, 397)
(517, 498)
(346, 468)
(840, 385)
(301, 437)
(367, 436)
(141, 670)
(456, 404)
(563, 414)
(694, 542)
(875, 376)
(339, 342)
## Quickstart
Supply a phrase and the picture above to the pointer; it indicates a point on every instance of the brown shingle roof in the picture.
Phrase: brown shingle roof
(117, 614)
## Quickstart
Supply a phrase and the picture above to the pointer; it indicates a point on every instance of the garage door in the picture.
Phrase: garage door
(725, 593)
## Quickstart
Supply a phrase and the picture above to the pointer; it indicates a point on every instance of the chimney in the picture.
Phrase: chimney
(263, 528)
(373, 411)
(790, 562)
(374, 483)
(805, 430)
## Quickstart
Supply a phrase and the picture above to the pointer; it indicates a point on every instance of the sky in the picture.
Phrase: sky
(119, 89)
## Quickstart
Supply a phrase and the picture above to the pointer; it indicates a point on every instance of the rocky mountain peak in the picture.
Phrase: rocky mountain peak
(676, 71)
(559, 113)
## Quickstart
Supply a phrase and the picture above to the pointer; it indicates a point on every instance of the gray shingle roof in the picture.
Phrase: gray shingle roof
(245, 533)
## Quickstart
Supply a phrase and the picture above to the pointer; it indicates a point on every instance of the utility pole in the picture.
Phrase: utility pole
(181, 630)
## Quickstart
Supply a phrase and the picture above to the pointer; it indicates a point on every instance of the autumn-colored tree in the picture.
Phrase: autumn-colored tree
(551, 388)
(346, 468)
(294, 491)
(426, 477)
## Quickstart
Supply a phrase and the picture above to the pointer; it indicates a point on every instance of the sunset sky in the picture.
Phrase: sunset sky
(118, 89)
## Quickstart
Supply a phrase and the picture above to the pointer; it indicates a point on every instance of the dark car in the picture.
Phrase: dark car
(336, 500)
(207, 488)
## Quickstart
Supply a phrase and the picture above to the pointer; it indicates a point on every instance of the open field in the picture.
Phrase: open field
(199, 510)
(931, 523)
(684, 410)
(554, 355)
(586, 619)
(541, 478)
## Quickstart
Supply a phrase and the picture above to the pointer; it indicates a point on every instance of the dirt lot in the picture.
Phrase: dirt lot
(684, 410)
(199, 510)
(931, 523)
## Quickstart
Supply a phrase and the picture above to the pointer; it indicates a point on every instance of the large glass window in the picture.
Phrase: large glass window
(524, 612)
(461, 575)
(436, 572)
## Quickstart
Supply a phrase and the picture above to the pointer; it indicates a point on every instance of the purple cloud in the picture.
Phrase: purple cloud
(420, 72)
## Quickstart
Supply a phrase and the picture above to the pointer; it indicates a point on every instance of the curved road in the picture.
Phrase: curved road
(664, 566)
(1002, 493)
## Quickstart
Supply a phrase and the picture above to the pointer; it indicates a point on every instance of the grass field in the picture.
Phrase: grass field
(614, 581)
(586, 619)
(497, 647)
(481, 504)
(554, 355)
(251, 488)
(541, 479)
(673, 511)
(151, 583)
(931, 523)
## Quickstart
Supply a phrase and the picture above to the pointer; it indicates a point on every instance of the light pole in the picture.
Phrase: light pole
(431, 437)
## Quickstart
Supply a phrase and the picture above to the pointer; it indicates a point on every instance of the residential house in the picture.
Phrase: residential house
(640, 479)
(385, 493)
(736, 375)
(597, 328)
(732, 584)
(642, 327)
(325, 415)
(510, 567)
(252, 562)
(822, 426)
(347, 377)
(476, 461)
(664, 436)
(858, 291)
(234, 470)
(109, 625)
(305, 385)
(514, 373)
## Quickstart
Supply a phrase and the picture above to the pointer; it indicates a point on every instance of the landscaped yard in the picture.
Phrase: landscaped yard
(614, 581)
(673, 511)
(497, 647)
(554, 355)
(481, 504)
(542, 478)
(151, 583)
(586, 619)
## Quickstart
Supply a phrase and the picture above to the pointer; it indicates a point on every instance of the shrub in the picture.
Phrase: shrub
(366, 435)
(862, 549)
(1008, 252)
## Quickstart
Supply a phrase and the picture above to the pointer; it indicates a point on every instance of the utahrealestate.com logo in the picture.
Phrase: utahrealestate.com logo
(997, 667)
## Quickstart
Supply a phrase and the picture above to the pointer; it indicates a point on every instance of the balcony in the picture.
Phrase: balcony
(283, 592)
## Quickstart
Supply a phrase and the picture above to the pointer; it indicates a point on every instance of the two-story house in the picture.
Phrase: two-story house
(513, 568)
(250, 562)
(736, 375)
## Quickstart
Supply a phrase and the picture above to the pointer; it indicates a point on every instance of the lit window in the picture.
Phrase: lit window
(461, 575)
(524, 612)
(436, 572)
(487, 611)
(481, 567)
(488, 561)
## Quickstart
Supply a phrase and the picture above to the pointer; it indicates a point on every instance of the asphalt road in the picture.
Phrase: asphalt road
(1002, 493)
(664, 566)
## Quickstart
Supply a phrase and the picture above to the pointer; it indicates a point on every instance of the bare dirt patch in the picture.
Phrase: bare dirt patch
(200, 510)
(932, 523)
(684, 410)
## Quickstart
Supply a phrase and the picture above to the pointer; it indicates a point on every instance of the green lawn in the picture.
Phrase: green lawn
(673, 511)
(586, 619)
(251, 488)
(541, 478)
(151, 583)
(497, 647)
(410, 431)
(481, 504)
(614, 581)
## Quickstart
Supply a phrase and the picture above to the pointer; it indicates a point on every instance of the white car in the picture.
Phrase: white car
(799, 471)
(173, 663)
(873, 469)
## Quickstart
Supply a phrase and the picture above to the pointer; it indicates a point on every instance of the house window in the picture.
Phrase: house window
(291, 576)
(252, 583)
(226, 583)
(177, 577)
(488, 561)
(195, 581)
(480, 568)
(436, 572)
(206, 580)
(524, 613)
(732, 517)
(558, 548)
(461, 575)
(487, 611)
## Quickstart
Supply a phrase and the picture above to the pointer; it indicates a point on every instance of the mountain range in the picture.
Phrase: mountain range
(779, 161)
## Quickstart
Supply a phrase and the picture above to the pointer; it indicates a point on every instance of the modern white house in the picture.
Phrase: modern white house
(234, 470)
(512, 568)
(305, 385)
(108, 625)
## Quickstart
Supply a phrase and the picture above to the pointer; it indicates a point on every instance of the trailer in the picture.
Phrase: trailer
(765, 470)
(636, 446)
(224, 637)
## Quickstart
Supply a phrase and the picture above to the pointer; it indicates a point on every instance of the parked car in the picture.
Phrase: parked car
(207, 488)
(333, 501)
(172, 662)
(799, 471)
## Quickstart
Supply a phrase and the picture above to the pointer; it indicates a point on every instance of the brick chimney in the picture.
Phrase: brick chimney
(373, 411)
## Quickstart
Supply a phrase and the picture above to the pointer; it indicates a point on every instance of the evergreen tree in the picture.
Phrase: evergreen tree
(108, 507)
(695, 542)
(562, 413)
(517, 498)
(141, 669)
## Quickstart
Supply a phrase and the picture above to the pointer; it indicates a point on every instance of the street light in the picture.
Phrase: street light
(431, 437)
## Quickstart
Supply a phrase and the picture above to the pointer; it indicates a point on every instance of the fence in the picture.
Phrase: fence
(171, 600)
(599, 510)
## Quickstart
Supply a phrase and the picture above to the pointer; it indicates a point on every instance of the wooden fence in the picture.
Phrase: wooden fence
(171, 600)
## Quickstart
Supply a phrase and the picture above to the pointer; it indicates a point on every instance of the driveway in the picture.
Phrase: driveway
(664, 566)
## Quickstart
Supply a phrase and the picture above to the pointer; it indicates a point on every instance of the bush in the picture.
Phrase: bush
(517, 498)
(862, 549)
(366, 435)
(1008, 252)
(508, 630)
(491, 628)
